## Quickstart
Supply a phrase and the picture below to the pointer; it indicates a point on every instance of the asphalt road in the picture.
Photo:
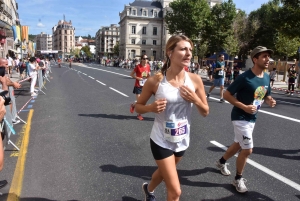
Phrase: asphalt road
(84, 144)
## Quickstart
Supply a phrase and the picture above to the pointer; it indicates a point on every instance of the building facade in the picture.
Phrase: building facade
(43, 41)
(106, 39)
(8, 17)
(63, 37)
(144, 30)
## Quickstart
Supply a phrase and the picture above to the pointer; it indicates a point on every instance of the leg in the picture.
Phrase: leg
(233, 149)
(241, 160)
(211, 88)
(221, 91)
(167, 171)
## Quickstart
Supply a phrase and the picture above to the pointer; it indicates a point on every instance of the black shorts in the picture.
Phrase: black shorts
(137, 90)
(272, 80)
(160, 153)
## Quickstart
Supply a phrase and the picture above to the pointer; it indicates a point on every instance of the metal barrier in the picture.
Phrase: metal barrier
(14, 105)
(8, 127)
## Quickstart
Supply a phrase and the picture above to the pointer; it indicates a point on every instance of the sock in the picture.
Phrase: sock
(222, 160)
(237, 177)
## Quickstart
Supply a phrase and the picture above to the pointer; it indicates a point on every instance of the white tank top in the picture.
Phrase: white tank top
(171, 128)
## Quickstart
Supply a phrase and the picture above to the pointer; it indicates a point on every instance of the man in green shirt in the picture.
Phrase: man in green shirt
(251, 88)
(219, 75)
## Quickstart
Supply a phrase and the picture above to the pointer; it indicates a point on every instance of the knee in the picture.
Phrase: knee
(246, 152)
(174, 194)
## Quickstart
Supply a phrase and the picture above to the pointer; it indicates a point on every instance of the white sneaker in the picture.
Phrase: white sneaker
(33, 94)
(240, 185)
(223, 168)
(36, 90)
(15, 121)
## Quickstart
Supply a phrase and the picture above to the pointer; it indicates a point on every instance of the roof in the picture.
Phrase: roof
(145, 3)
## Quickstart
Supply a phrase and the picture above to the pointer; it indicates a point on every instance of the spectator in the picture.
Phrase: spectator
(272, 76)
(33, 67)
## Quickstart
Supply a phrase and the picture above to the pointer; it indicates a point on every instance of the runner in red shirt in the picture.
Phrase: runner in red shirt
(141, 72)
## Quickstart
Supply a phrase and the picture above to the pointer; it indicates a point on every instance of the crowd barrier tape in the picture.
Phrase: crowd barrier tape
(24, 79)
(41, 81)
(25, 105)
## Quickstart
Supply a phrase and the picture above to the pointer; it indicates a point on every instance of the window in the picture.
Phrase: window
(155, 14)
(154, 42)
(154, 30)
(65, 43)
(144, 13)
(132, 41)
(70, 37)
(144, 31)
(65, 37)
(154, 54)
(59, 32)
(66, 31)
(133, 29)
(133, 12)
(143, 52)
(143, 42)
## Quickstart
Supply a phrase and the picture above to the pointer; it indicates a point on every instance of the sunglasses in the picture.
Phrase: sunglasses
(144, 58)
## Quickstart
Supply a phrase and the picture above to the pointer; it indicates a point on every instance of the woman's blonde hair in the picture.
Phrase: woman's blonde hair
(170, 46)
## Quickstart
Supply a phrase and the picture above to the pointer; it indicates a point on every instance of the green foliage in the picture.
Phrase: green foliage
(286, 46)
(87, 51)
(116, 49)
(187, 17)
(219, 25)
(231, 45)
(287, 19)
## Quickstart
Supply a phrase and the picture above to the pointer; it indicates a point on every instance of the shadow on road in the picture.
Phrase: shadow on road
(145, 172)
(115, 116)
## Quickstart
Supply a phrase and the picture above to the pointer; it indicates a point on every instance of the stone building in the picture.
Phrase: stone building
(63, 37)
(43, 41)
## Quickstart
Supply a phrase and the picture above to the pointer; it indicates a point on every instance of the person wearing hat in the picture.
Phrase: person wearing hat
(247, 93)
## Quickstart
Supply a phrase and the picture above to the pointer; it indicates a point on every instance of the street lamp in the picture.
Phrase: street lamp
(152, 56)
(128, 54)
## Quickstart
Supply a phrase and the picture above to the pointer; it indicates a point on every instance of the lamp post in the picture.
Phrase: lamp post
(152, 57)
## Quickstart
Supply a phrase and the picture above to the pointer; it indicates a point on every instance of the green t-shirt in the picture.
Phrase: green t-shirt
(219, 73)
(249, 89)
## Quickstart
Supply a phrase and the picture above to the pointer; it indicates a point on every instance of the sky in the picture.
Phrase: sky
(87, 16)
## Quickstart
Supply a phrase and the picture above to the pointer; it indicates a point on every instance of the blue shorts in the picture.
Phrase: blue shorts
(219, 82)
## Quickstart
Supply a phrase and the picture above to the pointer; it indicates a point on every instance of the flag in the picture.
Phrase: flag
(25, 30)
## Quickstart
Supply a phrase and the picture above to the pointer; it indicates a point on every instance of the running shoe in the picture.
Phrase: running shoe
(222, 100)
(223, 168)
(207, 96)
(148, 196)
(240, 185)
(33, 94)
(15, 121)
(140, 117)
(131, 108)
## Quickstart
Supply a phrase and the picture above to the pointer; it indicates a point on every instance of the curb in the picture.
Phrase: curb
(282, 89)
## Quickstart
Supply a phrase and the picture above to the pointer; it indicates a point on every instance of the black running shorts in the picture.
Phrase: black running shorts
(160, 153)
(137, 90)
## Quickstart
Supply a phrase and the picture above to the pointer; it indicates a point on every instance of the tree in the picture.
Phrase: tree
(287, 47)
(286, 20)
(187, 17)
(116, 49)
(219, 25)
(87, 51)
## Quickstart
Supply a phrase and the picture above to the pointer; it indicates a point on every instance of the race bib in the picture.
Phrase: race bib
(142, 82)
(221, 72)
(175, 131)
(258, 104)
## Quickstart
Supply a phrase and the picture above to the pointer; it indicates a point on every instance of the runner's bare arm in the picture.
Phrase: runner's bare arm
(270, 101)
(149, 89)
(232, 100)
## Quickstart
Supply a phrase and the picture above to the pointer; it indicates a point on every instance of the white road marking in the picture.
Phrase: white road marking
(264, 169)
(118, 92)
(91, 77)
(106, 71)
(84, 73)
(269, 113)
(101, 82)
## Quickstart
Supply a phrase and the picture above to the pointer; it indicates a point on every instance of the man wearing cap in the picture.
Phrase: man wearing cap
(247, 93)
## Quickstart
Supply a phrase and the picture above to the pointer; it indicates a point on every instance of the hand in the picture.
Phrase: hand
(2, 108)
(139, 78)
(16, 85)
(187, 94)
(271, 102)
(159, 105)
(250, 109)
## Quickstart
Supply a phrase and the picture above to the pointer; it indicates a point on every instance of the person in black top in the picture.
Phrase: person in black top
(292, 74)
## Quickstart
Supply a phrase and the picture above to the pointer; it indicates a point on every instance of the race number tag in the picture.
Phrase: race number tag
(258, 104)
(175, 131)
(221, 72)
(142, 82)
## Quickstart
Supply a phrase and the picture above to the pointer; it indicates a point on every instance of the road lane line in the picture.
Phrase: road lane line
(101, 82)
(17, 181)
(91, 77)
(106, 71)
(269, 113)
(118, 92)
(264, 169)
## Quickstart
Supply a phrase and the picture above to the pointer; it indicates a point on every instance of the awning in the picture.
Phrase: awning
(13, 51)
